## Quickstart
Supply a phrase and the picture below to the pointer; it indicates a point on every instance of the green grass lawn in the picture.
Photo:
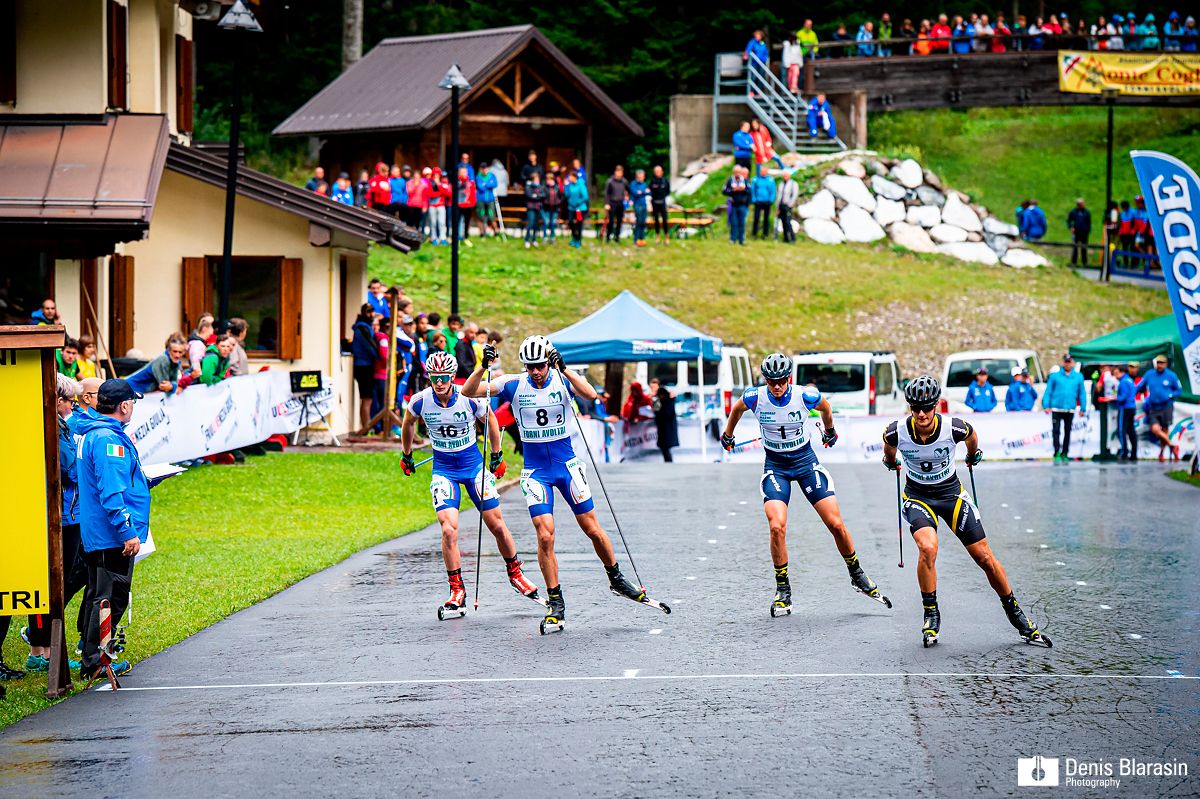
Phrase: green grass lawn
(1184, 476)
(1001, 156)
(769, 296)
(230, 536)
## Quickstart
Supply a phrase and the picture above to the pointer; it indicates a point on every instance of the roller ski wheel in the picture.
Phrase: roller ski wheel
(448, 611)
(551, 624)
(556, 614)
(782, 604)
(623, 588)
(930, 626)
(456, 606)
(867, 587)
(1024, 627)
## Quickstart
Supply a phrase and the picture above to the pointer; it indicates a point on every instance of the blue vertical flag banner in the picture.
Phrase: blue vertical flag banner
(1172, 193)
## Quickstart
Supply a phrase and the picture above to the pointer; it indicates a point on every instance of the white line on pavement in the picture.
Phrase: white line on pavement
(666, 677)
(631, 673)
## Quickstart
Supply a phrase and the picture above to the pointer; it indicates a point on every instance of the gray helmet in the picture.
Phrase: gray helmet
(923, 390)
(776, 366)
(535, 350)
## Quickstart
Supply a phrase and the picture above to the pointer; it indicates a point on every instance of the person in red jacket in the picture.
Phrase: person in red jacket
(379, 189)
(418, 199)
(941, 35)
(439, 193)
(465, 195)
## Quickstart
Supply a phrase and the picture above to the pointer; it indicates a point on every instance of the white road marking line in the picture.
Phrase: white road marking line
(689, 578)
(1106, 607)
(701, 558)
(1174, 673)
(1029, 529)
(1080, 582)
(722, 526)
(743, 502)
(733, 513)
(664, 677)
(712, 540)
(1059, 563)
(1018, 518)
(656, 631)
(631, 673)
(1004, 504)
(1044, 546)
(1135, 636)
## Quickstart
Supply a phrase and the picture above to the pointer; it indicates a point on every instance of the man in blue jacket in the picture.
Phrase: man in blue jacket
(1033, 222)
(1162, 386)
(820, 118)
(762, 194)
(981, 397)
(114, 512)
(1064, 393)
(743, 145)
(757, 47)
(1021, 394)
(1126, 402)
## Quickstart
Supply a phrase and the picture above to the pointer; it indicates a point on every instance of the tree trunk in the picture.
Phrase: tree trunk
(352, 32)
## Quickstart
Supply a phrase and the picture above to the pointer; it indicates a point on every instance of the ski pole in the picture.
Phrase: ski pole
(604, 490)
(899, 519)
(483, 475)
(747, 443)
(422, 463)
(974, 496)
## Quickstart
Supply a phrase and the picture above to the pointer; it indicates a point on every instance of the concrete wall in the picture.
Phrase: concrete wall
(690, 129)
(61, 65)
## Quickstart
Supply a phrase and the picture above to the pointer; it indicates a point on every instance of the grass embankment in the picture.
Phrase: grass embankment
(231, 536)
(1184, 476)
(1001, 156)
(769, 296)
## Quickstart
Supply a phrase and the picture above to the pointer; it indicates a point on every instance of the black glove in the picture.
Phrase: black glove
(892, 466)
(554, 359)
(406, 464)
(829, 437)
(975, 457)
(489, 356)
(727, 441)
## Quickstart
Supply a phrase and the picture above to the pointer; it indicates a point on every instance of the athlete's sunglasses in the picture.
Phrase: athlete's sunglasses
(440, 378)
(924, 408)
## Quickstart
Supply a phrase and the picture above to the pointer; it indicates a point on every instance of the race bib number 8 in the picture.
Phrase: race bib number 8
(543, 422)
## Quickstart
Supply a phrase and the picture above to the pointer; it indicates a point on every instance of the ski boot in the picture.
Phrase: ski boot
(1022, 624)
(456, 606)
(622, 587)
(932, 622)
(556, 613)
(866, 586)
(782, 604)
(521, 585)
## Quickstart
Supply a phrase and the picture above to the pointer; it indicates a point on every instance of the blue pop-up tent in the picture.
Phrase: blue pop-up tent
(628, 329)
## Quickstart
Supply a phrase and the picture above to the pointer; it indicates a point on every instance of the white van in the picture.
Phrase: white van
(724, 381)
(856, 383)
(961, 367)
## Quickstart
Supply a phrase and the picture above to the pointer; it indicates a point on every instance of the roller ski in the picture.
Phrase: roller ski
(782, 604)
(521, 585)
(622, 587)
(931, 624)
(1026, 629)
(456, 606)
(556, 614)
(866, 586)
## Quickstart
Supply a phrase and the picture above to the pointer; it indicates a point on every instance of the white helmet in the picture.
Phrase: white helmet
(441, 363)
(535, 349)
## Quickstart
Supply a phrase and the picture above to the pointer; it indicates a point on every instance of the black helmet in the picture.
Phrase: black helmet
(776, 366)
(923, 391)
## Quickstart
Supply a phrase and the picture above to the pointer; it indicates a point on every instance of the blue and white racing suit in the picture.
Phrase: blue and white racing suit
(456, 458)
(543, 416)
(789, 456)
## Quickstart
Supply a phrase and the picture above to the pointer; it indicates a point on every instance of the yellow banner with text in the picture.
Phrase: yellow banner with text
(1135, 74)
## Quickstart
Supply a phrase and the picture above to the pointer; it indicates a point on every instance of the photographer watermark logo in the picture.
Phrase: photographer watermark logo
(1037, 771)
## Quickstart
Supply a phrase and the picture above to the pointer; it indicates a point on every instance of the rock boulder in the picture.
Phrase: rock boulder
(885, 188)
(970, 251)
(888, 211)
(852, 190)
(821, 206)
(908, 173)
(911, 237)
(924, 215)
(947, 234)
(858, 225)
(1022, 258)
(823, 231)
(956, 212)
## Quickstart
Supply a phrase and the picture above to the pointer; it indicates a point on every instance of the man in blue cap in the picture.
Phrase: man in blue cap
(114, 512)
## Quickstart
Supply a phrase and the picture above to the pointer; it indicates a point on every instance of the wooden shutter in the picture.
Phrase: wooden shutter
(291, 276)
(120, 319)
(88, 298)
(118, 55)
(8, 51)
(197, 291)
(185, 82)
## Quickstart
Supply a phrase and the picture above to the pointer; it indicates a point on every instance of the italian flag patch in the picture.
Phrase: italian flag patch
(116, 450)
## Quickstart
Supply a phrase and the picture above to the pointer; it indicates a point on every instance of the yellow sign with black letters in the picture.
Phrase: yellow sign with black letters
(24, 573)
(1133, 74)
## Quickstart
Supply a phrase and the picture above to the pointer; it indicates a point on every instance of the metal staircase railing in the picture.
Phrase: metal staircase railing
(753, 84)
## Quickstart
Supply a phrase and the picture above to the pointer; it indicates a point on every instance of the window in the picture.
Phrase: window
(185, 81)
(962, 373)
(8, 51)
(711, 373)
(884, 381)
(25, 282)
(265, 291)
(118, 50)
(833, 378)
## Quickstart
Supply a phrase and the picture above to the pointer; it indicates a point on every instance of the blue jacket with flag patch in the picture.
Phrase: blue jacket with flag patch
(114, 497)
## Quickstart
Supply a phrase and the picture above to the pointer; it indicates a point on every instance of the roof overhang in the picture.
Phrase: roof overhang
(78, 185)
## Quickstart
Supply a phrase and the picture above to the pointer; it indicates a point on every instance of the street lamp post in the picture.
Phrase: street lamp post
(456, 82)
(1110, 99)
(239, 20)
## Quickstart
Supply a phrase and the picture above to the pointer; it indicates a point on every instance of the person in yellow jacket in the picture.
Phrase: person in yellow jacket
(807, 37)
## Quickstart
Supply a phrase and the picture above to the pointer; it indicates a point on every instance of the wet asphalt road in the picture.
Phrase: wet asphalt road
(347, 684)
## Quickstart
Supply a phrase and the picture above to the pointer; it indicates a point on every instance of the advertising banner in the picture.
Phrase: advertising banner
(204, 420)
(1172, 193)
(24, 578)
(1139, 74)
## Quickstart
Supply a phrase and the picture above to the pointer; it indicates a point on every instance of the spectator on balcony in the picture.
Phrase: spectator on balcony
(820, 117)
(924, 43)
(1191, 36)
(793, 59)
(466, 197)
(398, 185)
(1020, 30)
(1173, 33)
(941, 33)
(961, 44)
(743, 145)
(983, 35)
(318, 175)
(807, 37)
(343, 192)
(1115, 40)
(379, 189)
(1149, 31)
(756, 57)
(866, 39)
(909, 34)
(1037, 35)
(885, 33)
(840, 35)
(1002, 33)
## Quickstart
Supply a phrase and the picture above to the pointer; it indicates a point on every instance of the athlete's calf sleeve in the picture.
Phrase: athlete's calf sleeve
(781, 574)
